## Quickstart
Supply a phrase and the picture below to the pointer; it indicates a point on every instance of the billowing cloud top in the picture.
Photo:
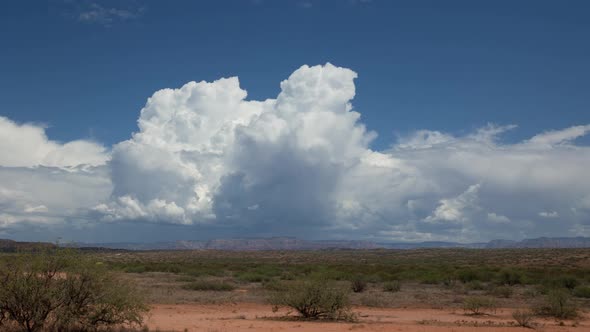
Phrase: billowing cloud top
(206, 156)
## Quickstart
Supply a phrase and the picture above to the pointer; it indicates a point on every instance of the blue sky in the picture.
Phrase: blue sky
(385, 120)
(451, 66)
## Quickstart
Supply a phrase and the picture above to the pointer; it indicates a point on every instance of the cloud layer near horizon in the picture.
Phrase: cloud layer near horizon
(299, 164)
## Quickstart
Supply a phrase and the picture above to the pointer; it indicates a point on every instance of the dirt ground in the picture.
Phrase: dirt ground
(259, 317)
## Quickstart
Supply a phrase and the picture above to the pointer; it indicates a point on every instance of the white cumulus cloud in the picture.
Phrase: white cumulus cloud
(27, 145)
(48, 182)
(454, 209)
(498, 218)
(301, 164)
(550, 214)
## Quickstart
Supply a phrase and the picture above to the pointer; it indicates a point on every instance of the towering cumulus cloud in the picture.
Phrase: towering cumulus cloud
(301, 164)
(206, 155)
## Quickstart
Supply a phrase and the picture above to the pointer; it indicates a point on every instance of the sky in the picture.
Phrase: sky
(388, 121)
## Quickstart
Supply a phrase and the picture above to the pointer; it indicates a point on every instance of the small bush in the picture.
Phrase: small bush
(315, 299)
(479, 305)
(582, 291)
(274, 285)
(502, 291)
(566, 282)
(524, 318)
(392, 286)
(466, 276)
(253, 277)
(373, 278)
(358, 285)
(330, 274)
(433, 278)
(206, 285)
(510, 277)
(449, 281)
(136, 269)
(287, 276)
(569, 282)
(531, 293)
(474, 285)
(558, 303)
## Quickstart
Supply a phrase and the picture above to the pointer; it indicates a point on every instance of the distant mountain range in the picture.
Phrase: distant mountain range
(289, 243)
(272, 243)
(542, 242)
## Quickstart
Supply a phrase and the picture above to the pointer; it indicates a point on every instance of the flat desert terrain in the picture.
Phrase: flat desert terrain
(342, 290)
(217, 291)
(259, 317)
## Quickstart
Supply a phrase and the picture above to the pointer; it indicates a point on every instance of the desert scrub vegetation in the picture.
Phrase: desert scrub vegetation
(392, 286)
(429, 266)
(475, 285)
(62, 290)
(510, 277)
(358, 284)
(558, 303)
(519, 274)
(315, 299)
(479, 305)
(524, 318)
(582, 291)
(501, 291)
(274, 285)
(209, 285)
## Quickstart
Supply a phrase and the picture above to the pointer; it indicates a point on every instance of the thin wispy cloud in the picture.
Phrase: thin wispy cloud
(95, 13)
(305, 4)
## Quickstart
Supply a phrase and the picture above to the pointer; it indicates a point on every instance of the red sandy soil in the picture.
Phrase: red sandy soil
(257, 317)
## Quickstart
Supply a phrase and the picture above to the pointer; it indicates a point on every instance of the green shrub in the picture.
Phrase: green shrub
(479, 305)
(582, 291)
(524, 318)
(63, 290)
(531, 293)
(466, 276)
(430, 278)
(569, 282)
(358, 284)
(253, 277)
(510, 277)
(392, 286)
(565, 282)
(209, 285)
(274, 285)
(475, 285)
(501, 291)
(449, 281)
(315, 299)
(330, 274)
(559, 304)
(136, 269)
(374, 278)
(287, 276)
